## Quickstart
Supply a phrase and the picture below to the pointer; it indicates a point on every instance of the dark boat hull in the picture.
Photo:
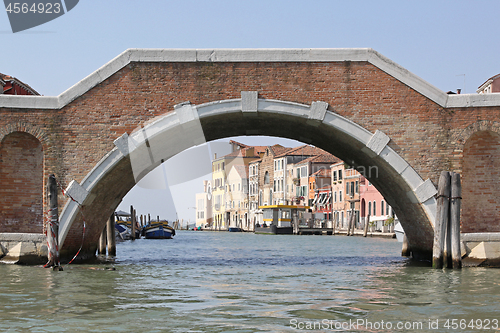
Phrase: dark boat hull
(158, 232)
(273, 230)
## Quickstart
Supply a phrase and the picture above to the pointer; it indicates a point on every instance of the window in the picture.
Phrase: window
(303, 171)
(352, 188)
(340, 196)
(335, 176)
(374, 208)
(298, 172)
(387, 210)
(382, 207)
(335, 196)
(369, 208)
(340, 174)
(357, 187)
(266, 178)
(347, 189)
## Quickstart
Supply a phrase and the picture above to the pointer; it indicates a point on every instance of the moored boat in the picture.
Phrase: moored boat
(158, 230)
(123, 226)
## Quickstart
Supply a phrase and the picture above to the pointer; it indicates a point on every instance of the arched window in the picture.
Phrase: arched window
(382, 207)
(374, 208)
(266, 177)
(369, 208)
(21, 169)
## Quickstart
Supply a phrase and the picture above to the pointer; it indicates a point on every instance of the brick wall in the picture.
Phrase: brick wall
(481, 182)
(21, 191)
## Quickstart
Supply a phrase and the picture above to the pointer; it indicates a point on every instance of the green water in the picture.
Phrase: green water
(240, 282)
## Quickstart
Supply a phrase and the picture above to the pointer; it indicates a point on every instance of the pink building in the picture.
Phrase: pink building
(374, 205)
(492, 85)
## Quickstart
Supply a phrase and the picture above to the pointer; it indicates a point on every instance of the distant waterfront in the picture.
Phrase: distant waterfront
(241, 282)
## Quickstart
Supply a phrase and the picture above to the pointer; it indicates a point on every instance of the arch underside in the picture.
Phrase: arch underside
(136, 154)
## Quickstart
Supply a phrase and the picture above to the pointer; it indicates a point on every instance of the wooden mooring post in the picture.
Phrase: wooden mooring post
(455, 202)
(367, 222)
(102, 242)
(53, 225)
(405, 250)
(350, 227)
(132, 222)
(441, 223)
(110, 230)
(446, 250)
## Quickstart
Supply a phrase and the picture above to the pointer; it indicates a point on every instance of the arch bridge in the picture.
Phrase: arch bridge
(109, 130)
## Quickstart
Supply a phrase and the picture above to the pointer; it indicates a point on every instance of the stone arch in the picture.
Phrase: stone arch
(188, 125)
(481, 178)
(21, 188)
(460, 137)
(26, 128)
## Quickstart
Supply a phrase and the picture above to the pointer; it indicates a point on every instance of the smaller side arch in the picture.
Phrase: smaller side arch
(36, 131)
(481, 179)
(21, 189)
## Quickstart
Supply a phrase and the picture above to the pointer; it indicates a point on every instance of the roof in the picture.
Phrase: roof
(304, 150)
(242, 145)
(278, 149)
(323, 158)
(7, 78)
(243, 151)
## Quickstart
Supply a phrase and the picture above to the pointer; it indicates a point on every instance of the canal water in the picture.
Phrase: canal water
(241, 282)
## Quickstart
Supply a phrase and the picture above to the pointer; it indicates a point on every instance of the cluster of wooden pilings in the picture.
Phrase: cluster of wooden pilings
(446, 251)
(108, 238)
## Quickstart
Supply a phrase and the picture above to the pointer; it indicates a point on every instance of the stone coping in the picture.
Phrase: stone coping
(481, 237)
(251, 55)
(22, 237)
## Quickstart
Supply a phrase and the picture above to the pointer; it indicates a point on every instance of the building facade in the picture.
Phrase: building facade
(204, 206)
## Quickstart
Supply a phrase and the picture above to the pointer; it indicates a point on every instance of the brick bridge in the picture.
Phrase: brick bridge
(110, 129)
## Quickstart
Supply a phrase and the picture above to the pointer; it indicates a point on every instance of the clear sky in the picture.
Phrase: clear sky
(450, 44)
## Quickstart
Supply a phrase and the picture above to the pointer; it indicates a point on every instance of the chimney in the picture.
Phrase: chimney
(458, 91)
(250, 152)
(205, 183)
(215, 156)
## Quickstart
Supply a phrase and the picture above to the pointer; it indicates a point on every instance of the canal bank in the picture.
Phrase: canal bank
(23, 248)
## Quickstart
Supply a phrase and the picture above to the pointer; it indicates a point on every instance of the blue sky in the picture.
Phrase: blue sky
(439, 41)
